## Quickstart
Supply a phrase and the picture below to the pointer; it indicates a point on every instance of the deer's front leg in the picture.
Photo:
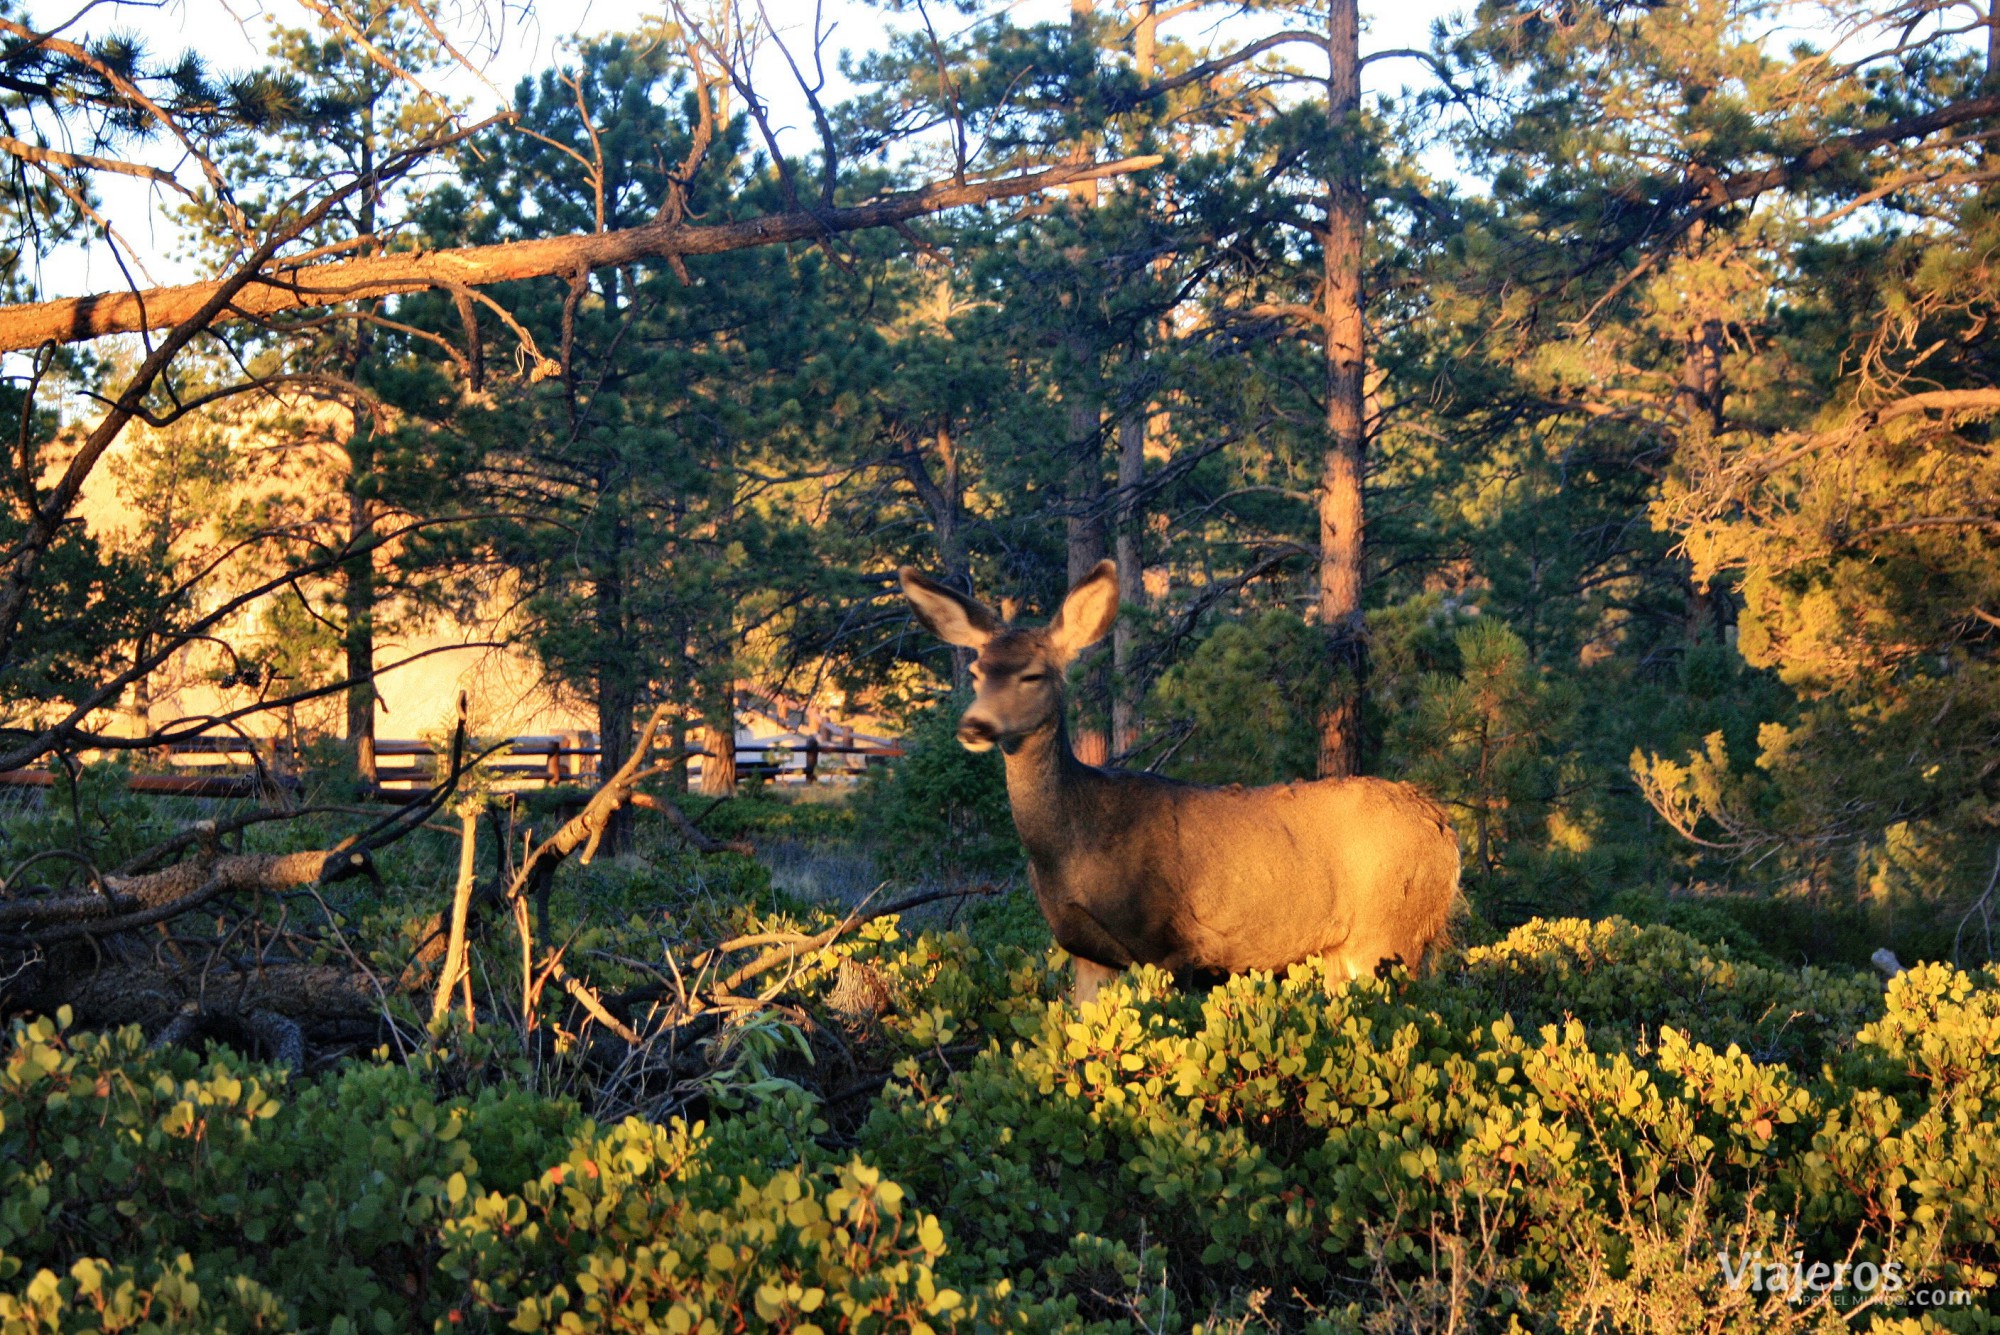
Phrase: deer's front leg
(1088, 977)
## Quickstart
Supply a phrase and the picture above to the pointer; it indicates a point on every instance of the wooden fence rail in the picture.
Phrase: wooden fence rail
(553, 760)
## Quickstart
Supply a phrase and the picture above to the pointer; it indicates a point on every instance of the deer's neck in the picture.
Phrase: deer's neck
(1042, 782)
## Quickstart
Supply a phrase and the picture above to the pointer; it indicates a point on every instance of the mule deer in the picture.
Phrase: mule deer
(1132, 868)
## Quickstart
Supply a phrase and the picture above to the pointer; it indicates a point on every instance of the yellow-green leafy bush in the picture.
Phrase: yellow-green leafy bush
(1563, 1130)
(636, 1230)
(1624, 982)
(143, 1190)
(1398, 1139)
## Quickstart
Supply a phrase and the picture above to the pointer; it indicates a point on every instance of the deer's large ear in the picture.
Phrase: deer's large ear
(1088, 613)
(952, 617)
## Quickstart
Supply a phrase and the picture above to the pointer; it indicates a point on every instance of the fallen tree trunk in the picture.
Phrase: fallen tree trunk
(234, 964)
(120, 901)
(142, 993)
(84, 951)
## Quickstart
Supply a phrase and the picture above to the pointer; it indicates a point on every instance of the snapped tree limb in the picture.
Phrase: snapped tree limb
(586, 829)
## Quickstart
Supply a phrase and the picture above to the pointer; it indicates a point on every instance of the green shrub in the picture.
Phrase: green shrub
(326, 1205)
(941, 811)
(1493, 740)
(1910, 1145)
(93, 814)
(143, 1190)
(1246, 698)
(788, 813)
(1701, 917)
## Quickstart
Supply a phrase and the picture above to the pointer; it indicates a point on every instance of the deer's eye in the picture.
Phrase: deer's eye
(1033, 676)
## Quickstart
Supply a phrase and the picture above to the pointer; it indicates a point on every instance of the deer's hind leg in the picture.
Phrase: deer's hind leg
(1087, 977)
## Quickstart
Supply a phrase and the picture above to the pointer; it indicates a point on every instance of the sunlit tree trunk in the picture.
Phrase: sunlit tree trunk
(1341, 554)
(1125, 716)
(358, 602)
(1127, 689)
(718, 762)
(358, 593)
(1698, 399)
(1084, 535)
(617, 693)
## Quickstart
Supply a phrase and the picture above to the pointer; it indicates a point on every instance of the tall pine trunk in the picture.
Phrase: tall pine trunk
(1125, 715)
(1126, 719)
(1084, 529)
(617, 688)
(952, 563)
(357, 597)
(1341, 554)
(940, 495)
(1084, 540)
(718, 743)
(1699, 398)
(358, 592)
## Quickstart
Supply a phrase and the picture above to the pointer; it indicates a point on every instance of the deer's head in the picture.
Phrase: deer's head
(1018, 676)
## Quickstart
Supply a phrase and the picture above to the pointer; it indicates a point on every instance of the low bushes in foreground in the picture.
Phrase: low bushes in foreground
(1581, 1126)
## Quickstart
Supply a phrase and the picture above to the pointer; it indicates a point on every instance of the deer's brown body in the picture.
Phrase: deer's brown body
(1136, 869)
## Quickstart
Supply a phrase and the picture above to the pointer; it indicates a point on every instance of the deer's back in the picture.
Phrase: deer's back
(1258, 878)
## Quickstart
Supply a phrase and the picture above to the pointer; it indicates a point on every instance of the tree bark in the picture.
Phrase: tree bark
(952, 561)
(1341, 570)
(1701, 387)
(359, 589)
(1991, 82)
(1699, 398)
(1083, 533)
(137, 993)
(1990, 85)
(1084, 529)
(304, 287)
(1125, 700)
(718, 761)
(1126, 696)
(1079, 28)
(164, 889)
(677, 738)
(617, 701)
(358, 602)
(940, 495)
